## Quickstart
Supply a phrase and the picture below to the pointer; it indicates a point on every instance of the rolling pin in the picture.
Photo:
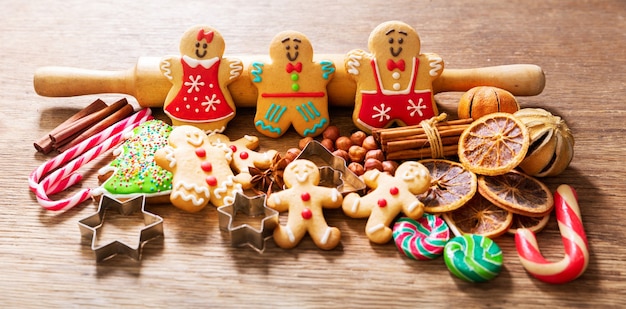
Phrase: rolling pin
(145, 82)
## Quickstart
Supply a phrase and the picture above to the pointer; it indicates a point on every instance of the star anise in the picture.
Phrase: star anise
(270, 179)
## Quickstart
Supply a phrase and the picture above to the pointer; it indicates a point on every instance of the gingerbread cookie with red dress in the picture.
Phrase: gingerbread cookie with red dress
(305, 200)
(291, 88)
(199, 95)
(394, 79)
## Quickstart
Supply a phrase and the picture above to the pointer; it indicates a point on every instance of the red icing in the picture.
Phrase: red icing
(233, 148)
(382, 203)
(305, 196)
(392, 65)
(200, 152)
(206, 166)
(211, 181)
(291, 67)
(394, 190)
(243, 155)
(307, 214)
(294, 95)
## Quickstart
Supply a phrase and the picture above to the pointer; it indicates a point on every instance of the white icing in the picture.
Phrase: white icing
(276, 199)
(326, 235)
(354, 62)
(334, 195)
(195, 62)
(223, 188)
(235, 68)
(396, 86)
(195, 138)
(220, 130)
(412, 206)
(181, 188)
(355, 205)
(375, 228)
(292, 238)
(303, 177)
(166, 68)
(228, 153)
(436, 66)
(249, 138)
(396, 75)
(169, 155)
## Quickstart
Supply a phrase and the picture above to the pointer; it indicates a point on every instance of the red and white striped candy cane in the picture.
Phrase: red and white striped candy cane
(574, 238)
(49, 179)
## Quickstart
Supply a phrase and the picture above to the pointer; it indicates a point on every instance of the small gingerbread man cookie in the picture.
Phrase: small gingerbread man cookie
(201, 171)
(304, 200)
(244, 155)
(394, 80)
(199, 95)
(390, 196)
(291, 88)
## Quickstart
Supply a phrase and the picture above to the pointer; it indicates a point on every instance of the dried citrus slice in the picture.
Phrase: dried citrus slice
(518, 193)
(535, 224)
(451, 186)
(493, 144)
(479, 216)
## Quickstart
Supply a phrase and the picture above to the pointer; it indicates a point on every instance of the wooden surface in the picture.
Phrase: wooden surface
(579, 44)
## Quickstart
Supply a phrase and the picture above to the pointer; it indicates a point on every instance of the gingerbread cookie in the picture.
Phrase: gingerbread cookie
(199, 95)
(291, 88)
(201, 170)
(304, 200)
(244, 155)
(133, 171)
(394, 80)
(390, 196)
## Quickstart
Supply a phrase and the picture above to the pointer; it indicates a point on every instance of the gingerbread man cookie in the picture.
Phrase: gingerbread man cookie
(291, 88)
(199, 95)
(390, 196)
(304, 200)
(244, 155)
(201, 170)
(394, 80)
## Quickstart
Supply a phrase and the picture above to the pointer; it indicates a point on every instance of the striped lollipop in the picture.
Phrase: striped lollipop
(473, 258)
(421, 239)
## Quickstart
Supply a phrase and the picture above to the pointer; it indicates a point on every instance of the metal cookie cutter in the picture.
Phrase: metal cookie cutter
(89, 227)
(314, 151)
(245, 234)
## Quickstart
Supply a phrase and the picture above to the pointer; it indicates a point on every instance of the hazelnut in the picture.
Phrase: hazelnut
(356, 153)
(390, 167)
(369, 143)
(304, 141)
(343, 143)
(375, 154)
(356, 168)
(358, 137)
(371, 164)
(328, 143)
(331, 133)
(292, 154)
(342, 154)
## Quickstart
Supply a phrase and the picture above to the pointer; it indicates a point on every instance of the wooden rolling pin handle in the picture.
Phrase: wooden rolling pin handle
(65, 81)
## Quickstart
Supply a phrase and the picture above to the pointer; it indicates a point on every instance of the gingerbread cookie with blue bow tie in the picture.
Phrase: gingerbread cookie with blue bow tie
(291, 88)
(199, 95)
(394, 79)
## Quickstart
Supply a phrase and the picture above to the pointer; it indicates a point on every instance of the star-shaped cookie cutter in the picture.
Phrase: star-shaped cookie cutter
(314, 151)
(246, 234)
(89, 228)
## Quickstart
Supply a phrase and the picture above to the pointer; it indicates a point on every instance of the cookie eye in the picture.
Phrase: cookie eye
(204, 45)
(197, 44)
(287, 47)
(296, 47)
(400, 40)
(390, 40)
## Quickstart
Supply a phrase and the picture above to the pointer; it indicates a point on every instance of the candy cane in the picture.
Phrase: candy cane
(574, 239)
(60, 179)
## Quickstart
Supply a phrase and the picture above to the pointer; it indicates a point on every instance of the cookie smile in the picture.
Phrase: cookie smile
(295, 56)
(199, 55)
(395, 53)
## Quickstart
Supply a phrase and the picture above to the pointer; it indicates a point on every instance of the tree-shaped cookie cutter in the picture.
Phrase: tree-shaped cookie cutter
(89, 227)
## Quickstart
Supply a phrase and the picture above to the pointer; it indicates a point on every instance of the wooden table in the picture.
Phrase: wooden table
(579, 44)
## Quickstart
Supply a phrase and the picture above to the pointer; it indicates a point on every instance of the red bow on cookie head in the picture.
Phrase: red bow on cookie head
(208, 36)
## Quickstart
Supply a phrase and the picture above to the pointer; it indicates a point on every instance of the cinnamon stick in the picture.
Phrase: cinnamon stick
(117, 116)
(418, 143)
(85, 122)
(417, 154)
(44, 144)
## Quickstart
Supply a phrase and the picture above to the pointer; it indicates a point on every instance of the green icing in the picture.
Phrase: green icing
(134, 169)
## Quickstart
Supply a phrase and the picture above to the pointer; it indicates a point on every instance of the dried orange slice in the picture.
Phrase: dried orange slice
(479, 216)
(518, 193)
(493, 144)
(451, 186)
(535, 224)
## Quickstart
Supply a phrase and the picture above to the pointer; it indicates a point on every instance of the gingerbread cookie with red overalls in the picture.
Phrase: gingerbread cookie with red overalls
(244, 155)
(304, 200)
(199, 95)
(390, 195)
(291, 88)
(394, 79)
(200, 170)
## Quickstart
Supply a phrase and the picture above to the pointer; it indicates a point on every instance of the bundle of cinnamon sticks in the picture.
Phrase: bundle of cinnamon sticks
(414, 143)
(89, 121)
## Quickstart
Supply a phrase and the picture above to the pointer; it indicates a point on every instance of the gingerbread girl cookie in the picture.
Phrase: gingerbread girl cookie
(244, 155)
(201, 170)
(304, 200)
(199, 95)
(291, 88)
(394, 80)
(390, 196)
